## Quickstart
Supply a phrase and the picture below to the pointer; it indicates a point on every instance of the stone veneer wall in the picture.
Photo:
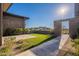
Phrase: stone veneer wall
(73, 25)
(76, 9)
(57, 28)
(13, 22)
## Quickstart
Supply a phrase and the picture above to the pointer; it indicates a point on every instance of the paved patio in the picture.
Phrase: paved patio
(50, 48)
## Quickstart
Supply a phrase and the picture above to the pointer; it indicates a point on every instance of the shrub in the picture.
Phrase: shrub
(76, 41)
(4, 50)
(76, 45)
(9, 31)
(16, 31)
(74, 36)
(77, 50)
(9, 42)
(21, 31)
(3, 54)
(19, 42)
(24, 46)
(78, 31)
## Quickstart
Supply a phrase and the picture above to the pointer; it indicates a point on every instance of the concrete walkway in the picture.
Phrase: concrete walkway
(64, 38)
(26, 53)
(50, 48)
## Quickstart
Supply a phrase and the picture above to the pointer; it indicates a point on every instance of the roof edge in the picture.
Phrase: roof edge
(15, 15)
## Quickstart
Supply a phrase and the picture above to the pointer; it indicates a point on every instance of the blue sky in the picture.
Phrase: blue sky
(42, 14)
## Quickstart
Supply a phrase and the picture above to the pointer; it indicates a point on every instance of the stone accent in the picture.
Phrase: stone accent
(57, 28)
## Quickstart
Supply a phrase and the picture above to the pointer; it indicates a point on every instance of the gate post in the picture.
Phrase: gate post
(57, 28)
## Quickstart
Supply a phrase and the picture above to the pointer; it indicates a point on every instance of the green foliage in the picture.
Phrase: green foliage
(9, 31)
(76, 41)
(3, 54)
(41, 30)
(77, 50)
(78, 31)
(9, 42)
(4, 50)
(21, 30)
(8, 46)
(24, 46)
(16, 31)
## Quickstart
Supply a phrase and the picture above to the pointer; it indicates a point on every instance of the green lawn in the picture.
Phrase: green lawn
(40, 38)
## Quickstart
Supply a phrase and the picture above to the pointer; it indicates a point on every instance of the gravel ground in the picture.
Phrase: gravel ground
(20, 37)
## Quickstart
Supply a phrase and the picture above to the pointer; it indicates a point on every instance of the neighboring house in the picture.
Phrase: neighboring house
(13, 21)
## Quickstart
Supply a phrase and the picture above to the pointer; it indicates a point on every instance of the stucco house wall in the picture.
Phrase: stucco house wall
(13, 21)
